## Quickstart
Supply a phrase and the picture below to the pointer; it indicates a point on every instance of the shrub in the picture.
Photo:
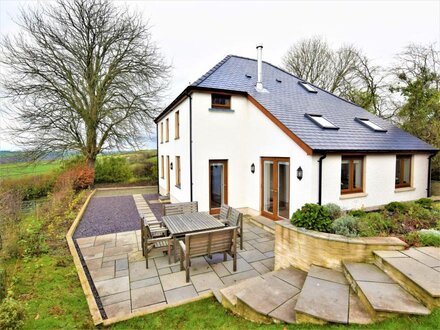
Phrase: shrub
(32, 241)
(11, 314)
(76, 178)
(346, 225)
(429, 237)
(374, 224)
(412, 238)
(425, 203)
(395, 207)
(357, 213)
(313, 217)
(2, 284)
(334, 210)
(29, 187)
(112, 169)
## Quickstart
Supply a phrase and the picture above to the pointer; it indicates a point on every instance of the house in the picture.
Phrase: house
(252, 135)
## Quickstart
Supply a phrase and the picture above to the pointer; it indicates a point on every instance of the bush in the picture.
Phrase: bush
(29, 187)
(346, 225)
(334, 210)
(2, 284)
(77, 178)
(425, 203)
(112, 169)
(374, 224)
(357, 213)
(313, 217)
(395, 207)
(11, 314)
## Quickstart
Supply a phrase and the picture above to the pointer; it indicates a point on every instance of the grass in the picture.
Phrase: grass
(18, 169)
(435, 188)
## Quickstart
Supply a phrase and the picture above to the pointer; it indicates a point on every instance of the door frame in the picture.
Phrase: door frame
(225, 184)
(275, 160)
(168, 175)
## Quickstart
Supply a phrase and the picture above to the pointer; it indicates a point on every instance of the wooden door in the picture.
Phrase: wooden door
(218, 185)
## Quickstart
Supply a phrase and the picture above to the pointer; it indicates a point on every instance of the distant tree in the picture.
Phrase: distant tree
(417, 79)
(82, 75)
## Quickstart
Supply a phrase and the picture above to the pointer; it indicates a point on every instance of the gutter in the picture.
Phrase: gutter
(428, 189)
(157, 148)
(320, 178)
(190, 147)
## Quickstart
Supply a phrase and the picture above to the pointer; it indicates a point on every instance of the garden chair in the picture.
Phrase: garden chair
(224, 213)
(235, 219)
(154, 238)
(180, 208)
(206, 243)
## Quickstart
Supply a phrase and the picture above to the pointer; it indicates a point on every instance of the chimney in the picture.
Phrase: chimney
(259, 86)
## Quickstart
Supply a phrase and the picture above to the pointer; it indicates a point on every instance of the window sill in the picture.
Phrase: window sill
(178, 186)
(221, 110)
(403, 189)
(354, 195)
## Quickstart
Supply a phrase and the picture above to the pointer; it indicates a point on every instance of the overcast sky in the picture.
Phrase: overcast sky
(194, 35)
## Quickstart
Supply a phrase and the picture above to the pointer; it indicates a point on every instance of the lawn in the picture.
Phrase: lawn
(15, 170)
(436, 188)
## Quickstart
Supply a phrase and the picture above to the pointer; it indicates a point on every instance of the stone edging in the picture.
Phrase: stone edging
(93, 307)
(124, 188)
(301, 248)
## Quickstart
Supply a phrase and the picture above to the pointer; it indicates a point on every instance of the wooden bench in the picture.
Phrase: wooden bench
(180, 208)
(207, 243)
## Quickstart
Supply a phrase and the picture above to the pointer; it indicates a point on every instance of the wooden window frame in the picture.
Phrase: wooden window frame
(167, 130)
(162, 170)
(177, 125)
(177, 161)
(351, 189)
(402, 168)
(161, 132)
(220, 106)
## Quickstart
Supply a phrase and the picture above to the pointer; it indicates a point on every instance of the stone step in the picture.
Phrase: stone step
(326, 297)
(416, 269)
(382, 296)
(229, 298)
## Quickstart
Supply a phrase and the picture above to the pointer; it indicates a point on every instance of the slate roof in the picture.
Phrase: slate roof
(288, 101)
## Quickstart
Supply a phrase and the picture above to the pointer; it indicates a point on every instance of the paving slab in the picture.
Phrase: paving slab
(84, 242)
(242, 266)
(291, 275)
(95, 263)
(230, 291)
(92, 252)
(323, 299)
(252, 255)
(269, 263)
(389, 254)
(174, 280)
(199, 265)
(388, 297)
(431, 251)
(176, 295)
(146, 296)
(115, 298)
(121, 264)
(422, 257)
(105, 239)
(162, 262)
(367, 273)
(120, 273)
(220, 270)
(327, 274)
(357, 312)
(265, 246)
(206, 281)
(164, 271)
(259, 267)
(101, 274)
(112, 286)
(217, 258)
(138, 271)
(267, 297)
(117, 250)
(286, 312)
(118, 309)
(236, 277)
(143, 283)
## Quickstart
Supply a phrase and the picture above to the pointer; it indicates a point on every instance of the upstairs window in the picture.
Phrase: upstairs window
(167, 130)
(161, 132)
(352, 173)
(321, 121)
(370, 124)
(220, 101)
(307, 87)
(403, 171)
(177, 125)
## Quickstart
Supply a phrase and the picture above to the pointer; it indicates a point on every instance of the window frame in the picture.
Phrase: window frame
(162, 167)
(351, 189)
(313, 116)
(402, 171)
(161, 132)
(370, 124)
(176, 125)
(220, 106)
(178, 180)
(167, 130)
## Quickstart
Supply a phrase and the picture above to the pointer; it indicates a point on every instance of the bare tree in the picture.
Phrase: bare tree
(82, 75)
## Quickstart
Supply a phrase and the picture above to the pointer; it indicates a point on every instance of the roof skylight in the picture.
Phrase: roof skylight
(307, 87)
(321, 121)
(370, 124)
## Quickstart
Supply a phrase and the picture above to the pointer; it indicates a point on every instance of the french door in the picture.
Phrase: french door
(218, 185)
(275, 187)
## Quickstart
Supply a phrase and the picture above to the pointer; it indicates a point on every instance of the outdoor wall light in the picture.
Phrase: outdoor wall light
(171, 165)
(253, 168)
(299, 173)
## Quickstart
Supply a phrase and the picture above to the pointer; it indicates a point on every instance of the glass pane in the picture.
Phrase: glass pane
(406, 170)
(283, 190)
(268, 187)
(345, 172)
(398, 171)
(216, 185)
(357, 180)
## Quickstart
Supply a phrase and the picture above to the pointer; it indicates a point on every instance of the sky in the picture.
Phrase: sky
(194, 35)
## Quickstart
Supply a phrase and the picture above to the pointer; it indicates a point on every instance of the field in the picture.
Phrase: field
(17, 169)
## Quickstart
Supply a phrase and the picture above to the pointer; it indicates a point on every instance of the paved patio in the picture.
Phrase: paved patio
(124, 285)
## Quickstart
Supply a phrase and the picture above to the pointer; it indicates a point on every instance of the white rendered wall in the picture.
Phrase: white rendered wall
(379, 174)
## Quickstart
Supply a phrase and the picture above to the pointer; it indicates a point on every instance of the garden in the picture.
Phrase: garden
(417, 222)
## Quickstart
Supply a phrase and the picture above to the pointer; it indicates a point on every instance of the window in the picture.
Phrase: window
(161, 132)
(403, 171)
(352, 169)
(321, 121)
(162, 172)
(177, 125)
(370, 124)
(307, 87)
(178, 171)
(221, 101)
(167, 130)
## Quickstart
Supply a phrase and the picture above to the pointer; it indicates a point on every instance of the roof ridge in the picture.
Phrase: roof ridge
(211, 71)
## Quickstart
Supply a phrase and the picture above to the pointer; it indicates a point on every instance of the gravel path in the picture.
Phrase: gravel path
(106, 215)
